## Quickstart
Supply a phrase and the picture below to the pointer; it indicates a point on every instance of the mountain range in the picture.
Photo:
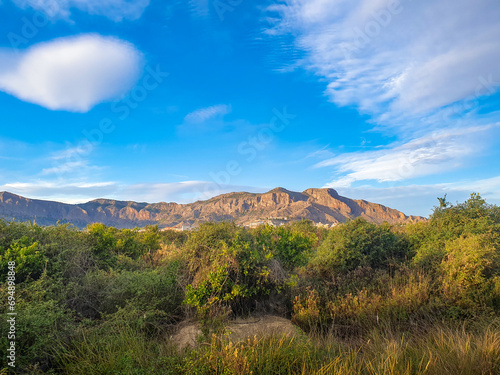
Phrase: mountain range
(279, 205)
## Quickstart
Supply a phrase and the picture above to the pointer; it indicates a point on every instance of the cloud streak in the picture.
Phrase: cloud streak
(200, 8)
(419, 199)
(61, 190)
(71, 74)
(116, 10)
(204, 114)
(80, 191)
(438, 152)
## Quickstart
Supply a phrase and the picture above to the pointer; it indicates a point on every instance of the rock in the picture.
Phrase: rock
(238, 330)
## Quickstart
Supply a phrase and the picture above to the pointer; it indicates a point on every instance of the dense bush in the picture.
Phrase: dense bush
(448, 223)
(42, 323)
(290, 245)
(471, 270)
(358, 243)
(229, 267)
(29, 260)
(155, 293)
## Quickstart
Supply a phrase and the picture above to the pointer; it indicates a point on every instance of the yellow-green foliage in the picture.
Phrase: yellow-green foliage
(398, 302)
(471, 270)
(27, 257)
(473, 217)
(306, 309)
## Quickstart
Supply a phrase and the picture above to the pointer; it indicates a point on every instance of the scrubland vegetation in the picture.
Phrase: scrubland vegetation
(421, 298)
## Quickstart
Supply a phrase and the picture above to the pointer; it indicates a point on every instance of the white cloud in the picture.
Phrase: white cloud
(405, 57)
(116, 10)
(413, 66)
(204, 114)
(72, 74)
(438, 152)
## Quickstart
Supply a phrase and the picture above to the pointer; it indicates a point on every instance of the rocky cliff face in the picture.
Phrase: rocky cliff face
(319, 205)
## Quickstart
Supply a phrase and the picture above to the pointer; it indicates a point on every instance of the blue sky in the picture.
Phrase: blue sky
(395, 102)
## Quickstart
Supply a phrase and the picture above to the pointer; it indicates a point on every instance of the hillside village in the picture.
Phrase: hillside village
(272, 221)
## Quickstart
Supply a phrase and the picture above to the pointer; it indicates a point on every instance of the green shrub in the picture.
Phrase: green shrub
(13, 231)
(291, 245)
(103, 244)
(134, 243)
(105, 300)
(150, 291)
(173, 237)
(357, 244)
(448, 223)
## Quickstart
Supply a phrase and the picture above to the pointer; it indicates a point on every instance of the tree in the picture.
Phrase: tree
(443, 203)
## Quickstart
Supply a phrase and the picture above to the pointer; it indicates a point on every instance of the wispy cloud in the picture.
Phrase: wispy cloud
(489, 187)
(435, 153)
(322, 153)
(69, 153)
(57, 172)
(204, 114)
(181, 192)
(419, 199)
(397, 58)
(72, 162)
(81, 166)
(71, 74)
(116, 10)
(200, 8)
(61, 190)
(74, 174)
(65, 191)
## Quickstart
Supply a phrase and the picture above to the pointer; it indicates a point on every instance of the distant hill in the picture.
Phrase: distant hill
(279, 205)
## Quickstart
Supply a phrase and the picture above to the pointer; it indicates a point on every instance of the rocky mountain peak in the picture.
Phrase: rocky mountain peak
(279, 205)
(321, 193)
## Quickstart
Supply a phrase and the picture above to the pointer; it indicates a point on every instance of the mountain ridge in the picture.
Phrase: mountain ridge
(323, 206)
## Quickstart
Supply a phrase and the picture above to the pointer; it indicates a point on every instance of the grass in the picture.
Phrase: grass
(436, 350)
